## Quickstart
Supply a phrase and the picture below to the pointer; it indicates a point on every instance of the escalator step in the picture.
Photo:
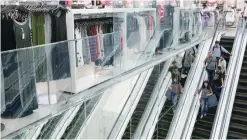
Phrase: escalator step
(240, 103)
(241, 88)
(242, 128)
(236, 135)
(239, 119)
(240, 111)
(201, 133)
(241, 95)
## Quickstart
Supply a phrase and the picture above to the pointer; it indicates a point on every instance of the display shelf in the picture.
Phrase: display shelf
(122, 13)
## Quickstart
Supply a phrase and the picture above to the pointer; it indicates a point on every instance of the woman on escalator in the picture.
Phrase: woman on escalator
(206, 92)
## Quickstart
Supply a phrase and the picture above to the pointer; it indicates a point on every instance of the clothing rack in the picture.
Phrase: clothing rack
(87, 23)
(6, 9)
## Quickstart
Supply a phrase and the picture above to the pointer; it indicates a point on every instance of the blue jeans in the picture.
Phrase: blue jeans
(204, 106)
(186, 70)
(210, 75)
(174, 100)
(217, 91)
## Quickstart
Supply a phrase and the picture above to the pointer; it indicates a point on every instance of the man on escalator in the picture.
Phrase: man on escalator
(187, 62)
(176, 90)
(218, 51)
(218, 82)
(210, 63)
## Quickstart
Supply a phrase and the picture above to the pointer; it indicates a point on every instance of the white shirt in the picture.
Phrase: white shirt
(222, 64)
(179, 60)
(245, 10)
(217, 51)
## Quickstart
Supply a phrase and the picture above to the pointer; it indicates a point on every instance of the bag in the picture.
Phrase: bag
(169, 94)
(210, 94)
(212, 101)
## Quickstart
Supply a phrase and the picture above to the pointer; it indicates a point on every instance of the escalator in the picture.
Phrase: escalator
(140, 108)
(75, 126)
(164, 123)
(48, 128)
(238, 124)
(202, 128)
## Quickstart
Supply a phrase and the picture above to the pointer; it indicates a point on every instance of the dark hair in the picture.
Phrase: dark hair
(217, 42)
(208, 87)
(219, 67)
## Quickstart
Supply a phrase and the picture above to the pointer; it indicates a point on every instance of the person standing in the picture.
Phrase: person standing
(188, 60)
(179, 64)
(244, 12)
(174, 71)
(206, 92)
(222, 64)
(211, 63)
(218, 50)
(218, 82)
(176, 89)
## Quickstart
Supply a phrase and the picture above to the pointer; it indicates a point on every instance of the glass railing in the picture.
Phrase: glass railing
(39, 76)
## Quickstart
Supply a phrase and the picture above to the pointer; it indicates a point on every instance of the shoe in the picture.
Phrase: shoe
(205, 115)
(201, 116)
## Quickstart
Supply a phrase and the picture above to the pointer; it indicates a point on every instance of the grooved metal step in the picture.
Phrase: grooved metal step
(140, 108)
(162, 127)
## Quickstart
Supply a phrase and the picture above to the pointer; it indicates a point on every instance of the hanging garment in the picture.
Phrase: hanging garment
(121, 39)
(38, 22)
(151, 26)
(38, 38)
(9, 69)
(68, 3)
(142, 33)
(20, 84)
(108, 49)
(48, 30)
(60, 52)
(85, 46)
(7, 35)
(79, 54)
(101, 43)
(94, 44)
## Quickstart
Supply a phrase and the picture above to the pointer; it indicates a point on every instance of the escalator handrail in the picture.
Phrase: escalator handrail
(231, 91)
(159, 83)
(221, 106)
(115, 123)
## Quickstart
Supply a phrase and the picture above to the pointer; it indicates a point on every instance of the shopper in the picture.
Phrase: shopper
(211, 64)
(194, 51)
(174, 71)
(218, 50)
(222, 64)
(218, 82)
(179, 64)
(187, 62)
(206, 92)
(176, 89)
(244, 12)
